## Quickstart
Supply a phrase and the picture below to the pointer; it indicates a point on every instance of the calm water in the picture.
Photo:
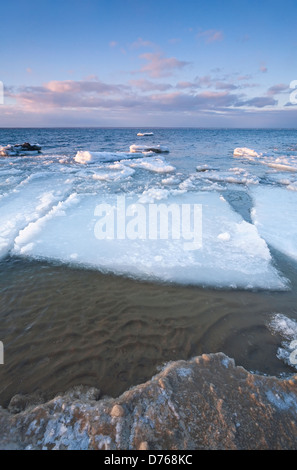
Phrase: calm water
(64, 323)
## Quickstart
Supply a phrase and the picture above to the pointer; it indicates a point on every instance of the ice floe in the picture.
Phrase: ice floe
(85, 156)
(232, 252)
(278, 162)
(154, 164)
(274, 215)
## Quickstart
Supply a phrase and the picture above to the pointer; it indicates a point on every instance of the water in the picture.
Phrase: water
(77, 312)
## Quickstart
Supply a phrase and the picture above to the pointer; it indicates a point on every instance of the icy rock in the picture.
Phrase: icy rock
(20, 150)
(147, 148)
(215, 405)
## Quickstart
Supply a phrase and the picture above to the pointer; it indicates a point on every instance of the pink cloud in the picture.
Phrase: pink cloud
(263, 69)
(276, 89)
(211, 35)
(159, 66)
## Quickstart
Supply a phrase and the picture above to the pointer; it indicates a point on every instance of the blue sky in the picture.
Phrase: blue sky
(148, 63)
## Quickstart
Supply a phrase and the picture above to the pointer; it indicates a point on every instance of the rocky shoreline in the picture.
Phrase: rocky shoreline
(205, 403)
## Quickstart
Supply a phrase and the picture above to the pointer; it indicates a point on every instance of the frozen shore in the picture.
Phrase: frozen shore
(205, 403)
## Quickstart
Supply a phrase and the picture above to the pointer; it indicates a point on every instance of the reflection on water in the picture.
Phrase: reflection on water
(63, 327)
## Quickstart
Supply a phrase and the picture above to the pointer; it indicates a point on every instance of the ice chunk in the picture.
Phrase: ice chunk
(274, 215)
(287, 328)
(154, 164)
(122, 237)
(245, 152)
(225, 237)
(278, 162)
(84, 156)
(170, 181)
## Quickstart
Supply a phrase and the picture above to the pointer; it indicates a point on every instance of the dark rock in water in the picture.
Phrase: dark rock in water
(29, 147)
(20, 150)
(204, 403)
(20, 402)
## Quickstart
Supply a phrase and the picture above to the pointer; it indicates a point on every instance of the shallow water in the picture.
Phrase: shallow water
(64, 324)
(65, 327)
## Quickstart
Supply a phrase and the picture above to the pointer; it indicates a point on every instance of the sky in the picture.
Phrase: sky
(152, 63)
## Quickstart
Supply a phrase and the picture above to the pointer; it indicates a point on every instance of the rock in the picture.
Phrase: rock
(117, 411)
(143, 446)
(27, 146)
(21, 402)
(204, 403)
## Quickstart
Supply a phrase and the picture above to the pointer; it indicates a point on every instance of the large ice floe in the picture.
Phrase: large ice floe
(211, 245)
(275, 161)
(274, 215)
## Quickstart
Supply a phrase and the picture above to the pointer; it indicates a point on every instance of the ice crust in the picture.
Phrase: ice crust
(232, 253)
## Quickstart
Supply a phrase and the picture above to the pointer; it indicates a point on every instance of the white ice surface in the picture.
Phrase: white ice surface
(29, 201)
(154, 164)
(275, 216)
(285, 327)
(84, 156)
(241, 259)
(283, 163)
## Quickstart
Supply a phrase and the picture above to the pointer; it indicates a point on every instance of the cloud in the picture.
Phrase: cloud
(244, 77)
(211, 35)
(174, 40)
(225, 86)
(263, 69)
(70, 93)
(245, 38)
(258, 102)
(199, 82)
(141, 43)
(207, 100)
(147, 85)
(83, 86)
(140, 97)
(279, 88)
(113, 44)
(158, 66)
(207, 82)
